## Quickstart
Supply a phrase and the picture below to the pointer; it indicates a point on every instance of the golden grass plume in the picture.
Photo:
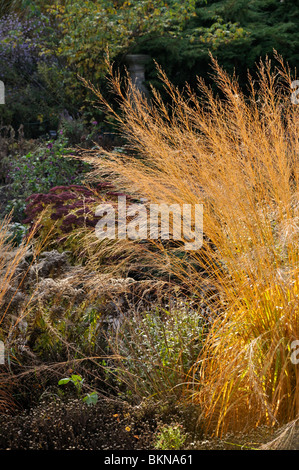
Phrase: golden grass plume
(238, 155)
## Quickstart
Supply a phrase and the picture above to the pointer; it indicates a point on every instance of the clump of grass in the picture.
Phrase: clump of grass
(286, 438)
(238, 156)
(10, 258)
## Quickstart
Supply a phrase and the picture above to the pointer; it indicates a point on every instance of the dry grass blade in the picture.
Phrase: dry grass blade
(286, 439)
(10, 258)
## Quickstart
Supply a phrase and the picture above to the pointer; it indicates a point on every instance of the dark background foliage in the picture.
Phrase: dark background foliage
(40, 69)
(267, 25)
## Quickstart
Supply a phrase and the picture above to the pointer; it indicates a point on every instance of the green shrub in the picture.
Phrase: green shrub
(38, 172)
(156, 350)
(17, 233)
(170, 437)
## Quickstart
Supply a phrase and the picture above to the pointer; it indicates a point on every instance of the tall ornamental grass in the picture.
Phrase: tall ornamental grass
(237, 154)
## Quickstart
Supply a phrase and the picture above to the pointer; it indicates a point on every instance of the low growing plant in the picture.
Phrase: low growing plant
(62, 329)
(77, 380)
(156, 350)
(170, 437)
(18, 233)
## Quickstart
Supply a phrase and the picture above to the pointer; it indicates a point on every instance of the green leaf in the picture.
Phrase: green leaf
(64, 381)
(91, 398)
(76, 379)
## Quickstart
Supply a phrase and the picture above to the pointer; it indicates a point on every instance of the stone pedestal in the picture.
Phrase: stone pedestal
(136, 67)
